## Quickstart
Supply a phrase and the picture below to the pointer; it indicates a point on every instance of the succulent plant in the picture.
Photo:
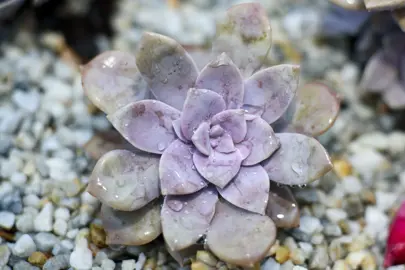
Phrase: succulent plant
(205, 150)
(385, 71)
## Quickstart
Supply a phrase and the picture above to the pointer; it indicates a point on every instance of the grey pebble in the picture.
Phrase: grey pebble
(331, 229)
(320, 258)
(299, 235)
(57, 262)
(353, 206)
(12, 202)
(45, 241)
(4, 255)
(23, 265)
(306, 195)
(6, 141)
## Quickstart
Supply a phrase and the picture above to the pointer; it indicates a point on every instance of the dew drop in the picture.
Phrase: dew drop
(161, 146)
(297, 168)
(154, 101)
(210, 174)
(175, 205)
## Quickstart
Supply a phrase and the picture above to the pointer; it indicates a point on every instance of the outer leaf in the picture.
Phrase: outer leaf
(131, 228)
(245, 35)
(177, 172)
(200, 106)
(232, 121)
(112, 80)
(186, 218)
(223, 77)
(269, 92)
(124, 180)
(350, 4)
(379, 73)
(282, 207)
(201, 138)
(314, 109)
(167, 67)
(240, 237)
(394, 96)
(146, 124)
(383, 4)
(177, 130)
(299, 160)
(218, 168)
(260, 141)
(249, 189)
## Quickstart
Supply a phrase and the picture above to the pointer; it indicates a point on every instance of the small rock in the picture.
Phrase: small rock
(62, 213)
(23, 265)
(108, 264)
(298, 256)
(141, 261)
(354, 259)
(7, 220)
(45, 241)
(18, 179)
(206, 257)
(44, 220)
(60, 227)
(340, 265)
(336, 250)
(385, 200)
(25, 223)
(342, 168)
(320, 259)
(57, 262)
(81, 256)
(332, 230)
(352, 184)
(270, 264)
(97, 235)
(335, 214)
(376, 220)
(24, 246)
(306, 248)
(4, 255)
(306, 196)
(297, 267)
(128, 265)
(310, 225)
(353, 206)
(37, 258)
(197, 265)
(317, 238)
(282, 254)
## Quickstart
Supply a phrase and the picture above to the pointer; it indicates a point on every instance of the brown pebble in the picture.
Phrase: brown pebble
(197, 265)
(342, 167)
(97, 235)
(37, 258)
(282, 254)
(368, 196)
(344, 226)
(150, 264)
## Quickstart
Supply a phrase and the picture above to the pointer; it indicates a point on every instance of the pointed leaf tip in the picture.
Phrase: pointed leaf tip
(167, 68)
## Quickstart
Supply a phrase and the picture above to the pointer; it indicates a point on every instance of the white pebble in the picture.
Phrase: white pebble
(270, 264)
(24, 246)
(354, 259)
(385, 200)
(31, 200)
(25, 223)
(335, 214)
(60, 227)
(297, 267)
(7, 220)
(18, 179)
(376, 220)
(352, 184)
(43, 221)
(72, 233)
(128, 265)
(310, 225)
(107, 264)
(141, 261)
(28, 101)
(81, 257)
(62, 213)
(367, 161)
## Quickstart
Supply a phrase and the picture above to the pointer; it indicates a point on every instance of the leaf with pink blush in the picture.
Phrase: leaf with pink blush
(233, 122)
(124, 180)
(244, 34)
(379, 73)
(112, 80)
(177, 130)
(201, 138)
(224, 144)
(177, 172)
(240, 237)
(186, 218)
(299, 160)
(260, 140)
(167, 68)
(146, 124)
(200, 106)
(249, 189)
(223, 77)
(218, 168)
(270, 91)
(394, 96)
(132, 228)
(313, 110)
(282, 207)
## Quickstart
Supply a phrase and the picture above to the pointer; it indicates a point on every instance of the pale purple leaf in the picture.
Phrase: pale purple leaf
(299, 160)
(146, 124)
(223, 77)
(225, 144)
(111, 80)
(218, 168)
(132, 228)
(314, 109)
(177, 130)
(394, 96)
(233, 122)
(124, 180)
(201, 105)
(379, 73)
(177, 172)
(249, 189)
(260, 140)
(270, 91)
(167, 68)
(383, 4)
(240, 237)
(244, 148)
(244, 34)
(201, 138)
(282, 207)
(186, 218)
(216, 131)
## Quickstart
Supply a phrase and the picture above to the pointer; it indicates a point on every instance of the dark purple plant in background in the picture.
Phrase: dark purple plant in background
(204, 141)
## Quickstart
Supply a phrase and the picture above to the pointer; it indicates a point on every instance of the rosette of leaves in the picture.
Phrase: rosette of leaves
(206, 152)
(384, 73)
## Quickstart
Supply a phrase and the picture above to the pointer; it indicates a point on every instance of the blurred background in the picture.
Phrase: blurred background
(50, 135)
